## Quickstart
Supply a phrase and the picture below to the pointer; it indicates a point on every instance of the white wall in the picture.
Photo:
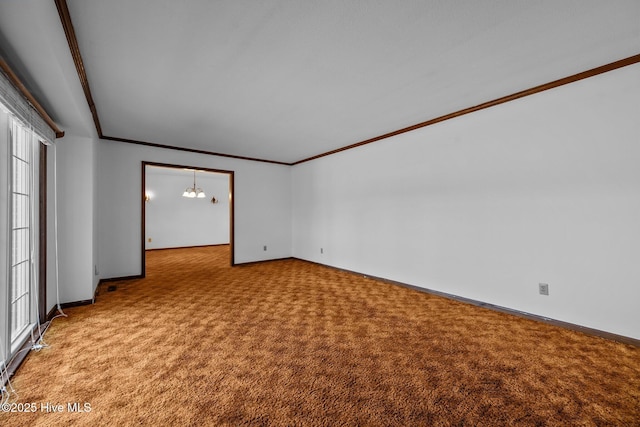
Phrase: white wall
(262, 204)
(488, 205)
(94, 231)
(76, 174)
(51, 231)
(174, 221)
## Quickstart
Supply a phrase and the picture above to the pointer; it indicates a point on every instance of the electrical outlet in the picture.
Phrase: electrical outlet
(321, 250)
(264, 247)
(95, 270)
(543, 288)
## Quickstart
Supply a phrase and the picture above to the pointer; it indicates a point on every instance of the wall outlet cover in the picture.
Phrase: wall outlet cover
(543, 288)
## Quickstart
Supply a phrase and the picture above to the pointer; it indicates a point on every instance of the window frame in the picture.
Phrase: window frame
(14, 338)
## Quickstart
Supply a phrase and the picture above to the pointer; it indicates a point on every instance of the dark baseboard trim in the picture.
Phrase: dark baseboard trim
(566, 325)
(118, 279)
(53, 312)
(76, 303)
(547, 320)
(249, 263)
(188, 247)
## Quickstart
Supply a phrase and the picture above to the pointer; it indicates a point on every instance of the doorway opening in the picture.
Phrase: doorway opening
(171, 218)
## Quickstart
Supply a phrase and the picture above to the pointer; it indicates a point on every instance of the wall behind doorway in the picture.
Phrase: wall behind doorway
(174, 221)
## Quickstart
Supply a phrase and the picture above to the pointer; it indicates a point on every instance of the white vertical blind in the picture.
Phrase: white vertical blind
(21, 226)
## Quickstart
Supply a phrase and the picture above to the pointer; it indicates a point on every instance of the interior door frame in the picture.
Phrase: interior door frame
(143, 211)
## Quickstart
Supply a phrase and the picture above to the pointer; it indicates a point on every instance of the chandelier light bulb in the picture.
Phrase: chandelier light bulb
(194, 192)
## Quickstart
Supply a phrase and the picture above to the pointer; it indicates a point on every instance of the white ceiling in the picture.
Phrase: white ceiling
(287, 80)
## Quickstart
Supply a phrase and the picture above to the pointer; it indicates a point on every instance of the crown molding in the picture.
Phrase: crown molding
(532, 91)
(190, 150)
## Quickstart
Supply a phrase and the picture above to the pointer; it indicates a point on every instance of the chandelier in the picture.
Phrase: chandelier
(194, 192)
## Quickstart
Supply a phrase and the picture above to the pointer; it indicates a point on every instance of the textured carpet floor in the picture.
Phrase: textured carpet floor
(291, 343)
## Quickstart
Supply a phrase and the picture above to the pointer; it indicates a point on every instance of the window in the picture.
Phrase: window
(22, 216)
(22, 277)
(19, 233)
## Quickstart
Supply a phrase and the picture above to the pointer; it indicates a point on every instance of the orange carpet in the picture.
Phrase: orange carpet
(290, 343)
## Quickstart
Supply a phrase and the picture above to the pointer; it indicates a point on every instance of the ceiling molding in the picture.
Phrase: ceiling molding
(65, 18)
(191, 150)
(30, 98)
(532, 91)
